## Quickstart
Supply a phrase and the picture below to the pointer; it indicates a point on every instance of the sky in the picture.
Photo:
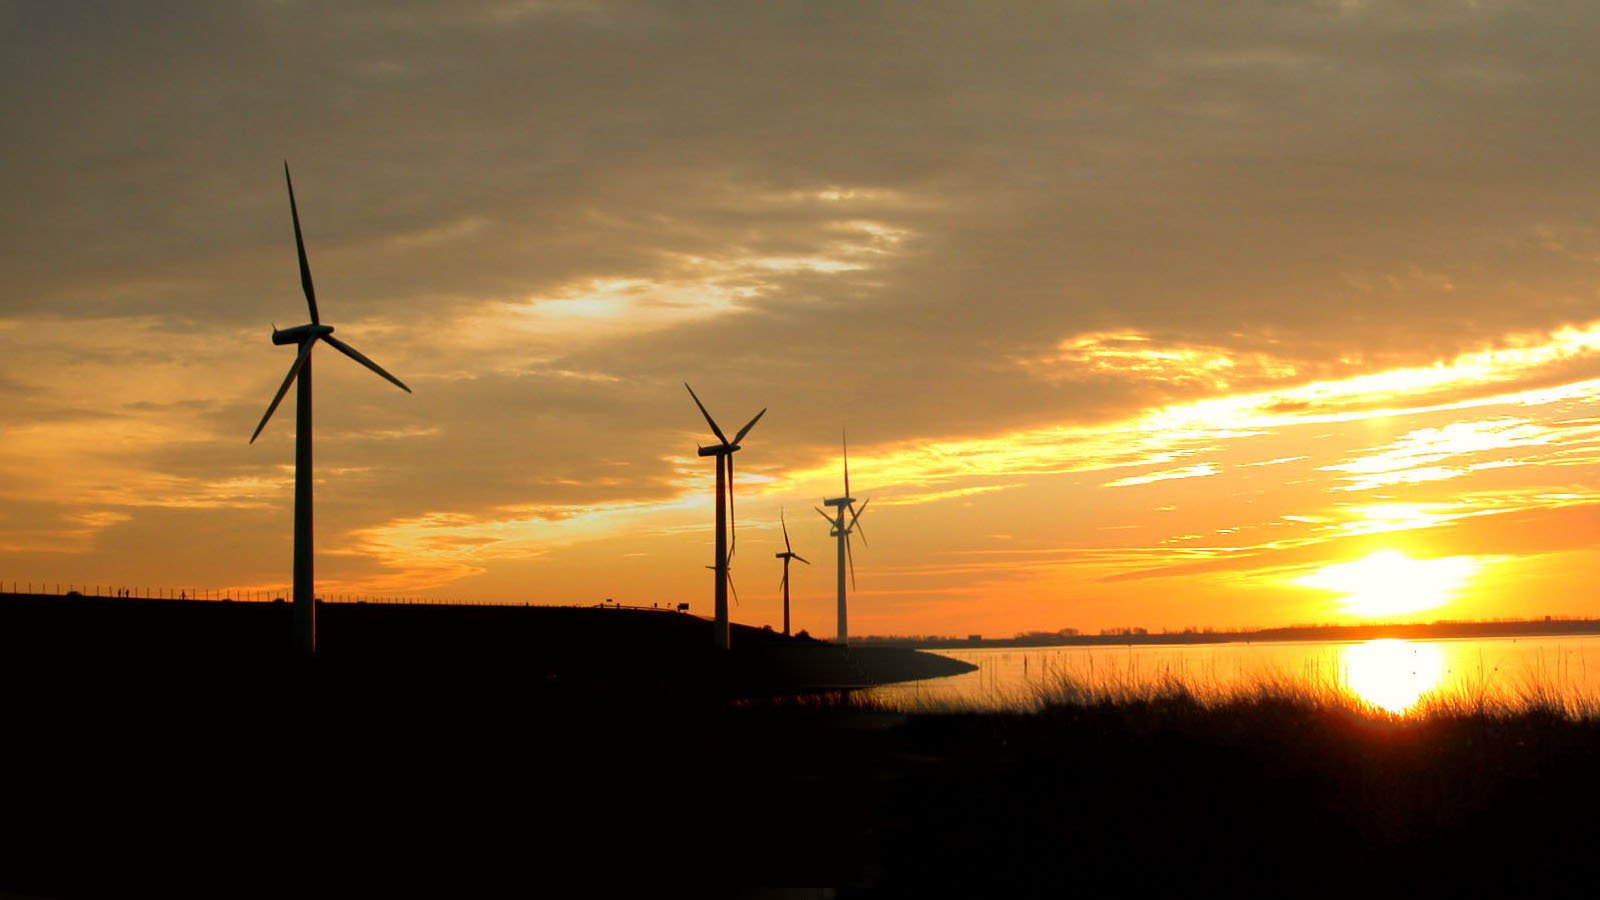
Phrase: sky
(1159, 315)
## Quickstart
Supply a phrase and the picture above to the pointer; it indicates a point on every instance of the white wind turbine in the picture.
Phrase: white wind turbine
(723, 451)
(841, 530)
(306, 336)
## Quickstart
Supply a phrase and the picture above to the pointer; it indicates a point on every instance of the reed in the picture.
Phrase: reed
(1543, 691)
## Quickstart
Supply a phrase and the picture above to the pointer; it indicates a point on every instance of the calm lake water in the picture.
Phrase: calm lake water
(1399, 676)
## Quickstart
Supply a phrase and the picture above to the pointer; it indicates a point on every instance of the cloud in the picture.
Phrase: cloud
(1195, 471)
(1007, 248)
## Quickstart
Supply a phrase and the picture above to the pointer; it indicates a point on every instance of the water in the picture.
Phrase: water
(1399, 676)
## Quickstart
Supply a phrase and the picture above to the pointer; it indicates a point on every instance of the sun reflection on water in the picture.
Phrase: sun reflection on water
(1391, 674)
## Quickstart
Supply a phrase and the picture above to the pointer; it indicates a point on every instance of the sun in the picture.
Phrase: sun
(1389, 583)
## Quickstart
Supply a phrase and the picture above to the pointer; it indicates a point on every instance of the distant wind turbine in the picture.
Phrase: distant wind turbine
(306, 336)
(842, 531)
(787, 554)
(723, 451)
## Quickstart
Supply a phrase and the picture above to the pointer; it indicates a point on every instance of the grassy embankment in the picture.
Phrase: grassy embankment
(199, 777)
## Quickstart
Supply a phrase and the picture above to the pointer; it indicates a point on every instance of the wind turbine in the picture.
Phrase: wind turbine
(787, 554)
(306, 336)
(723, 451)
(842, 530)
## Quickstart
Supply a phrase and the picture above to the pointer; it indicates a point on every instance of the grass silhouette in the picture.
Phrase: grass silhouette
(161, 773)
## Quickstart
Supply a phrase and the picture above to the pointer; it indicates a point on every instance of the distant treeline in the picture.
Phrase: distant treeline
(1127, 636)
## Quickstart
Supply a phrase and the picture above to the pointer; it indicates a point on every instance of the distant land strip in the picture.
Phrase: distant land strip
(1441, 630)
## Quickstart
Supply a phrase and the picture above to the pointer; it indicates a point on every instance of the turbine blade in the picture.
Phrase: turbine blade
(786, 547)
(823, 514)
(856, 517)
(709, 421)
(749, 425)
(294, 372)
(733, 590)
(733, 527)
(848, 555)
(356, 355)
(300, 245)
(785, 579)
(802, 559)
(845, 443)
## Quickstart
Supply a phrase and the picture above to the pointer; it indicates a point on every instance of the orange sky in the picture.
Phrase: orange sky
(1164, 316)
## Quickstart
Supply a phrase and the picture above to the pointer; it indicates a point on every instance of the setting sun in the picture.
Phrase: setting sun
(1390, 583)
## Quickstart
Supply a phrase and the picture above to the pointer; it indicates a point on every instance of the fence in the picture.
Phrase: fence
(247, 595)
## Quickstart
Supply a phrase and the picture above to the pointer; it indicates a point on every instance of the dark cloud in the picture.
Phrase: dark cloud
(1171, 166)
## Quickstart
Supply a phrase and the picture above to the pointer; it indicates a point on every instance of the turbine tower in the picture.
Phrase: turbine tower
(305, 337)
(723, 451)
(842, 530)
(787, 554)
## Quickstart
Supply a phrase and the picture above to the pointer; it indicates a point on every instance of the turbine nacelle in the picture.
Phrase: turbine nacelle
(839, 501)
(300, 334)
(718, 449)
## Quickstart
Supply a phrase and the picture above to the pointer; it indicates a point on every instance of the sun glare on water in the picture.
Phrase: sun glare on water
(1389, 583)
(1392, 674)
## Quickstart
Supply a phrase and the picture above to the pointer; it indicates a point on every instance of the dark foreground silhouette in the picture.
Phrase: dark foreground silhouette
(190, 772)
(608, 649)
